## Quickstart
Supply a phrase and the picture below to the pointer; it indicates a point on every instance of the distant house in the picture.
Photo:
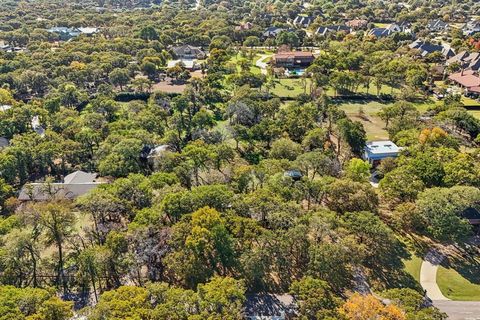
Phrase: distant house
(270, 307)
(380, 32)
(376, 151)
(425, 48)
(468, 80)
(187, 64)
(74, 185)
(292, 59)
(65, 33)
(302, 21)
(390, 30)
(324, 30)
(89, 31)
(272, 32)
(437, 25)
(471, 27)
(357, 24)
(466, 60)
(403, 26)
(244, 26)
(294, 174)
(188, 52)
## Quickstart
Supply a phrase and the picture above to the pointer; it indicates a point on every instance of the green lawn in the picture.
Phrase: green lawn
(413, 267)
(374, 126)
(454, 286)
(289, 88)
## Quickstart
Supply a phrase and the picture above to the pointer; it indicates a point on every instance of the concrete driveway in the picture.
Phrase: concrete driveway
(459, 310)
(428, 275)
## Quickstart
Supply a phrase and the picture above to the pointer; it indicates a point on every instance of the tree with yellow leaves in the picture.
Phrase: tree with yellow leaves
(359, 307)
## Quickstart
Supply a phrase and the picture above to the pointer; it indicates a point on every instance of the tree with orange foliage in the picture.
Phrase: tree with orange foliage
(359, 307)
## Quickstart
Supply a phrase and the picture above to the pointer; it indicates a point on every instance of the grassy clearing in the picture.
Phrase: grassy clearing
(454, 286)
(413, 267)
(290, 88)
(374, 126)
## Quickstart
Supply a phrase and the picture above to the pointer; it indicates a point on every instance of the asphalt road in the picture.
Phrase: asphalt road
(459, 310)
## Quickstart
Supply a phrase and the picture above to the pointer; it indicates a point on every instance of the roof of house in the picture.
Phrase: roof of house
(380, 32)
(467, 79)
(43, 191)
(437, 24)
(75, 184)
(303, 20)
(89, 30)
(332, 28)
(357, 23)
(270, 305)
(382, 147)
(70, 31)
(79, 177)
(189, 64)
(426, 48)
(293, 54)
(187, 50)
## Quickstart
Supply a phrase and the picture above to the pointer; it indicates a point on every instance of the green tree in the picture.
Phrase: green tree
(119, 77)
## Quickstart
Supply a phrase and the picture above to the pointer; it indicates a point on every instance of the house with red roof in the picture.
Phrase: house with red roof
(469, 80)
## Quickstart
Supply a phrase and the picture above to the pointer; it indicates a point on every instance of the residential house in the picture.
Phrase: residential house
(390, 30)
(270, 307)
(89, 31)
(403, 26)
(292, 59)
(471, 27)
(187, 52)
(272, 32)
(74, 185)
(357, 24)
(437, 25)
(244, 26)
(425, 48)
(324, 30)
(380, 32)
(302, 21)
(468, 80)
(376, 151)
(65, 33)
(466, 60)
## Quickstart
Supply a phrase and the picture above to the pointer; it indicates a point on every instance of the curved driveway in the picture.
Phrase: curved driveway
(456, 310)
(428, 275)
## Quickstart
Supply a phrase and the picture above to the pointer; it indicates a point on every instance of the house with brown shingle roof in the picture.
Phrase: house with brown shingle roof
(292, 59)
(357, 24)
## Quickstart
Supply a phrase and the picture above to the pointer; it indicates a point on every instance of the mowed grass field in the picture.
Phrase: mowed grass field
(456, 287)
(374, 126)
(413, 267)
